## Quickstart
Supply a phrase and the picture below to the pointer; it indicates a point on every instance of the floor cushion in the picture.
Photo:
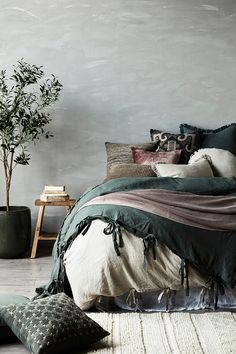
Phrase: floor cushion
(6, 334)
(54, 324)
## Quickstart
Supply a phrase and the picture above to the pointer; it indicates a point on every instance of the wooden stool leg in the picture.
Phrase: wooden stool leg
(67, 207)
(37, 231)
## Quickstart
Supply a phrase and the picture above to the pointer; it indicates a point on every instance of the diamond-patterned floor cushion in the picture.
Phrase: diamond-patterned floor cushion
(54, 324)
(6, 334)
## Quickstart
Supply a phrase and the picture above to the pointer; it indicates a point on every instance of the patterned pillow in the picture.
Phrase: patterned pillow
(119, 153)
(143, 157)
(54, 324)
(198, 169)
(188, 143)
(6, 334)
(220, 138)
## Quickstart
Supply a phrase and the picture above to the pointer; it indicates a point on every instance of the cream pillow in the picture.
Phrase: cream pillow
(223, 162)
(200, 168)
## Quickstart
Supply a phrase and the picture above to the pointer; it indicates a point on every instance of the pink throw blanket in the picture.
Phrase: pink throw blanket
(207, 212)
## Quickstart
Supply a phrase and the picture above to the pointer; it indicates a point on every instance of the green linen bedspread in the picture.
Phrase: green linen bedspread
(212, 252)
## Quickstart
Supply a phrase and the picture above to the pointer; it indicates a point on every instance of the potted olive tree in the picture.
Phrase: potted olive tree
(24, 99)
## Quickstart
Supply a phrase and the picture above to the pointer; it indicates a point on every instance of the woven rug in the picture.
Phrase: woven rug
(165, 333)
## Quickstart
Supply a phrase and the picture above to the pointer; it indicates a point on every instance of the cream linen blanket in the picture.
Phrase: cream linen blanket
(94, 269)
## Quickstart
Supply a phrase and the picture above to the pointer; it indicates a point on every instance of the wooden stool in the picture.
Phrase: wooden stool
(41, 236)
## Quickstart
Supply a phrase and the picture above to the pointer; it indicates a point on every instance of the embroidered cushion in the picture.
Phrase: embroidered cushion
(223, 162)
(188, 143)
(6, 334)
(200, 168)
(54, 324)
(220, 138)
(143, 157)
(119, 153)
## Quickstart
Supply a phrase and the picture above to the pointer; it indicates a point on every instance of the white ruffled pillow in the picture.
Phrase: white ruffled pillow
(223, 162)
(200, 168)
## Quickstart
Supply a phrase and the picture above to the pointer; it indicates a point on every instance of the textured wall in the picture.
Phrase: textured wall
(126, 66)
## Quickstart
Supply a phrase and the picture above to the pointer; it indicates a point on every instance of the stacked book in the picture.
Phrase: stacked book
(54, 194)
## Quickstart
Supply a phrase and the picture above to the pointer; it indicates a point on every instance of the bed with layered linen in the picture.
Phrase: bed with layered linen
(160, 232)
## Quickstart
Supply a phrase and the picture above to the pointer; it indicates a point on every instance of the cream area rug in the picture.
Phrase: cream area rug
(166, 333)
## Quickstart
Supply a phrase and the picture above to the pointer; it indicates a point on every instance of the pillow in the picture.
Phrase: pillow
(220, 138)
(54, 324)
(187, 128)
(6, 334)
(120, 170)
(119, 153)
(200, 168)
(148, 157)
(223, 162)
(188, 143)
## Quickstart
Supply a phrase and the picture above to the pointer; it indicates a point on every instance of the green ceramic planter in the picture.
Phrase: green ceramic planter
(15, 231)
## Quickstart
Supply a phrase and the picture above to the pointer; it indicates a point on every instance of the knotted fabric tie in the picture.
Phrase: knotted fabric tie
(184, 274)
(153, 240)
(114, 228)
(216, 288)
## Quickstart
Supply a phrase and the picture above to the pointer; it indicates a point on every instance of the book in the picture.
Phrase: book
(47, 191)
(54, 188)
(59, 194)
(53, 198)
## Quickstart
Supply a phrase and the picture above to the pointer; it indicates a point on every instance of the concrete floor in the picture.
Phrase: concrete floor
(22, 276)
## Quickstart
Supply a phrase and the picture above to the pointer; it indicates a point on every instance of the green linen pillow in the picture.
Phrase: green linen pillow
(54, 324)
(6, 334)
(220, 138)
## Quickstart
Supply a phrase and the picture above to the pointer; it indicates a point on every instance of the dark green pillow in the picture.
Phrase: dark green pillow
(54, 324)
(6, 334)
(220, 138)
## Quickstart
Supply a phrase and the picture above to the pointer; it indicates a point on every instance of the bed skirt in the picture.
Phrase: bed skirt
(169, 300)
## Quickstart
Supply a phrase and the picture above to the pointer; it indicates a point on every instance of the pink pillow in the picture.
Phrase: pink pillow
(149, 157)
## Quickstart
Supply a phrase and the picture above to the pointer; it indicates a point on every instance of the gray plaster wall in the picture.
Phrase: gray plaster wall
(126, 66)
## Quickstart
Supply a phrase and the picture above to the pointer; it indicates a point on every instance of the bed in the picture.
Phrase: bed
(148, 243)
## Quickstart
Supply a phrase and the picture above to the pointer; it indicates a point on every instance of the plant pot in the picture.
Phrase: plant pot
(15, 231)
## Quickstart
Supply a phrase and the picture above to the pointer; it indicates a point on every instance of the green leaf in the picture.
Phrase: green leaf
(25, 97)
